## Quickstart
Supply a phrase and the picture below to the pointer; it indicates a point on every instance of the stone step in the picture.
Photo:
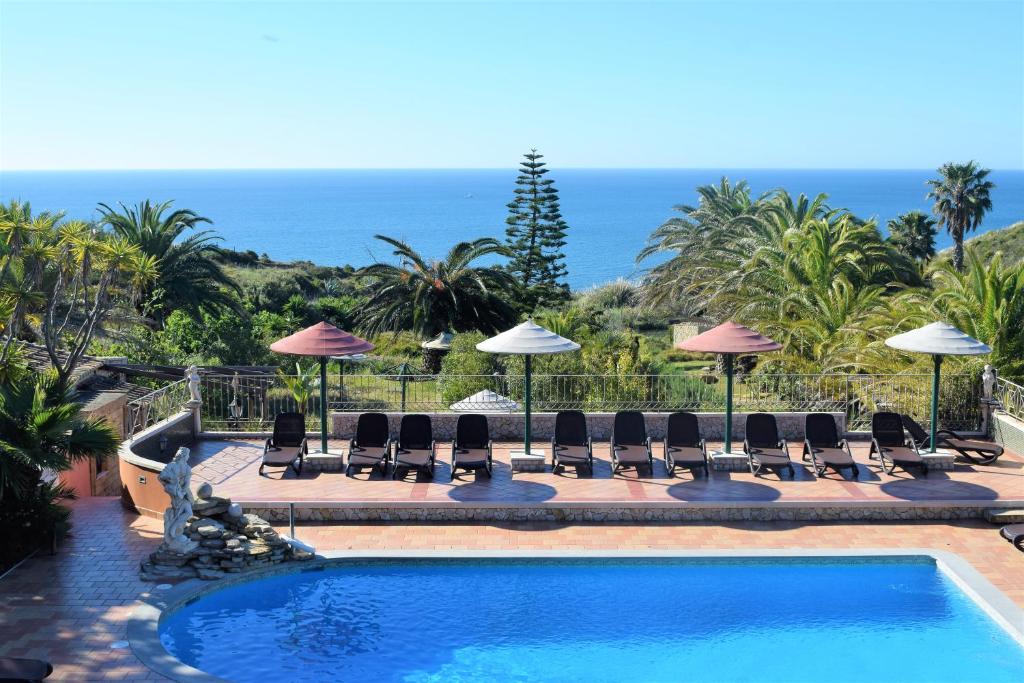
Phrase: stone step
(1002, 516)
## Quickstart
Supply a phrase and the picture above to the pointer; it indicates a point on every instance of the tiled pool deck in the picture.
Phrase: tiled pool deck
(70, 608)
(232, 468)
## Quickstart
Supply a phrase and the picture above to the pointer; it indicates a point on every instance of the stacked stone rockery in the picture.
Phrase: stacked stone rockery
(227, 542)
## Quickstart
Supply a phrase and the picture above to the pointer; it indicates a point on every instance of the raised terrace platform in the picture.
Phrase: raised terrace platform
(324, 493)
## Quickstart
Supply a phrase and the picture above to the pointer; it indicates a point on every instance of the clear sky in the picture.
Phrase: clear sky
(684, 84)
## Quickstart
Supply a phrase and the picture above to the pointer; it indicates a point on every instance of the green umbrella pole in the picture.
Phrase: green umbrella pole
(323, 404)
(404, 381)
(728, 403)
(935, 401)
(527, 401)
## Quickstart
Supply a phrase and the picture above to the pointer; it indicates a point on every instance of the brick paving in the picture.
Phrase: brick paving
(232, 467)
(69, 608)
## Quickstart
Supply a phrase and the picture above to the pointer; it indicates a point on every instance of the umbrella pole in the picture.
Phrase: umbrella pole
(527, 401)
(728, 403)
(935, 401)
(323, 404)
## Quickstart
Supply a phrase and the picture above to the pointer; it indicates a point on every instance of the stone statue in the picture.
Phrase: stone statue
(176, 479)
(192, 375)
(988, 382)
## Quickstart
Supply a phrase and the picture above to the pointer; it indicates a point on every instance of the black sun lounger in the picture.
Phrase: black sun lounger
(471, 450)
(571, 444)
(985, 453)
(889, 443)
(764, 448)
(288, 444)
(631, 446)
(1014, 533)
(824, 448)
(684, 448)
(371, 446)
(24, 670)
(416, 449)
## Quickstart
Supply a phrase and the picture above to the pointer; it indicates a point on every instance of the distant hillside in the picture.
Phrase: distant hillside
(1009, 240)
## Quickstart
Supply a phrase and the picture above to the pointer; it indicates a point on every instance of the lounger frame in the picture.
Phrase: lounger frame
(888, 438)
(947, 438)
(567, 435)
(416, 428)
(818, 437)
(370, 422)
(762, 433)
(689, 424)
(629, 429)
(289, 432)
(469, 423)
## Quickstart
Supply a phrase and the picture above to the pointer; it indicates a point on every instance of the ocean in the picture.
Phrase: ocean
(330, 216)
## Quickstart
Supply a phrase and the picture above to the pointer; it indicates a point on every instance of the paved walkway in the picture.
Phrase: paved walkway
(232, 467)
(70, 608)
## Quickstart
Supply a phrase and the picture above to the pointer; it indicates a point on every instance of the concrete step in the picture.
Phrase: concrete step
(1002, 516)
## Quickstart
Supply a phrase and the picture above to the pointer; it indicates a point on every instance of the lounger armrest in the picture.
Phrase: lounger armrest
(268, 445)
(590, 447)
(746, 446)
(304, 447)
(704, 448)
(948, 432)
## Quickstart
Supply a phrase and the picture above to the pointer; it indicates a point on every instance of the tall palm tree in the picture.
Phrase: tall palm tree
(190, 278)
(961, 196)
(913, 235)
(431, 296)
(986, 301)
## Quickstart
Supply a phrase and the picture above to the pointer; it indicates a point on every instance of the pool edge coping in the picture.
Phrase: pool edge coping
(143, 630)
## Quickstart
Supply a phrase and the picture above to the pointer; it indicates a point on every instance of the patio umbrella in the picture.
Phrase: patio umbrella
(322, 340)
(939, 339)
(527, 339)
(485, 400)
(729, 339)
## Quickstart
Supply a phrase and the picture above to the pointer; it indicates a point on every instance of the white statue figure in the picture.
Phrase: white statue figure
(176, 479)
(988, 382)
(192, 375)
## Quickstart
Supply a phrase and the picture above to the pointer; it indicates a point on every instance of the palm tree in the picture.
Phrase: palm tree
(190, 278)
(429, 296)
(42, 430)
(913, 235)
(987, 302)
(962, 199)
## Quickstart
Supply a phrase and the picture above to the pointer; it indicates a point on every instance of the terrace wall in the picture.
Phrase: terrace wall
(142, 458)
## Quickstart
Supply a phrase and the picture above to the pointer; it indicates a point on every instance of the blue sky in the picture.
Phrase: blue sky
(345, 85)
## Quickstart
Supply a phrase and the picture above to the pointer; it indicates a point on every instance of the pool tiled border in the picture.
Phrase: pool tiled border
(143, 625)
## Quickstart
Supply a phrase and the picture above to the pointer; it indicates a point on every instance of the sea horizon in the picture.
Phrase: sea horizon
(329, 216)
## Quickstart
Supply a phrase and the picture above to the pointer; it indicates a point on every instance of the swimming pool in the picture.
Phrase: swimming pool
(641, 619)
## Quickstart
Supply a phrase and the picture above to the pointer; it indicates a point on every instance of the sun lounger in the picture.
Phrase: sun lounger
(985, 453)
(288, 444)
(631, 447)
(571, 445)
(416, 449)
(684, 448)
(371, 446)
(890, 444)
(471, 450)
(26, 670)
(824, 448)
(1014, 533)
(764, 448)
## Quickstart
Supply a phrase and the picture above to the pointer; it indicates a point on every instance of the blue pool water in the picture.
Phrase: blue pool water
(876, 619)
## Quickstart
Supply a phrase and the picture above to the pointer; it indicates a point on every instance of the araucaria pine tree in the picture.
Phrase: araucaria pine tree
(536, 235)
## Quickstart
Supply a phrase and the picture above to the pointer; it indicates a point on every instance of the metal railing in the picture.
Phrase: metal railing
(1010, 396)
(249, 403)
(152, 408)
